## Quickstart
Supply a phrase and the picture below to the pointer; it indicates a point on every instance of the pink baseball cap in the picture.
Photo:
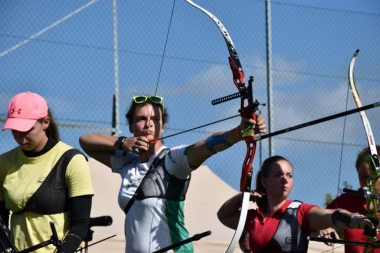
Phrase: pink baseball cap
(24, 110)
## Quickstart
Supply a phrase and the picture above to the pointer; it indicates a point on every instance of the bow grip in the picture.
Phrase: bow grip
(249, 131)
(369, 231)
(249, 137)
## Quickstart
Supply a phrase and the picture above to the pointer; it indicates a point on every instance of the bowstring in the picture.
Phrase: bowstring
(341, 156)
(342, 144)
(166, 42)
(159, 73)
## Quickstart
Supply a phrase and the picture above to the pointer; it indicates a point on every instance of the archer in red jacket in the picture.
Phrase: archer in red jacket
(356, 203)
(280, 224)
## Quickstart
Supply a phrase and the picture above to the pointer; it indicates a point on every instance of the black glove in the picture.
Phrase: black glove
(71, 243)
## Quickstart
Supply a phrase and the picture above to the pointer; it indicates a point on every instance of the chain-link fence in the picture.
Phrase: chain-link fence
(68, 54)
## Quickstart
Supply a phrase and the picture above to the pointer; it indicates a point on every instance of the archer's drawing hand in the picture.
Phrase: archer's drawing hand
(255, 195)
(136, 145)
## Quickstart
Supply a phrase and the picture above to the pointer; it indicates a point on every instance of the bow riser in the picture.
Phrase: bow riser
(237, 72)
(247, 109)
(247, 170)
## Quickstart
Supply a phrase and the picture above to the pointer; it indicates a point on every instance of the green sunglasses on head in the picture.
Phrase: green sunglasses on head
(154, 99)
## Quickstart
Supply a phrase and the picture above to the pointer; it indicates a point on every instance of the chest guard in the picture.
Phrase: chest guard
(289, 236)
(158, 183)
(52, 196)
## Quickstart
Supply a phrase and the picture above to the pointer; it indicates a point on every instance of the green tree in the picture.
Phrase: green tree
(328, 199)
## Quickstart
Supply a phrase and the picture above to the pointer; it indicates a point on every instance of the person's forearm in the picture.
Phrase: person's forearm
(80, 221)
(345, 219)
(202, 150)
(231, 206)
(231, 137)
(97, 142)
(323, 218)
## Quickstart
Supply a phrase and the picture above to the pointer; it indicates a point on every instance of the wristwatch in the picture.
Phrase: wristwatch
(120, 142)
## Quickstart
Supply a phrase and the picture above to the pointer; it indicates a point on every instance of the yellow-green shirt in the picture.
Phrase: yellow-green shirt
(21, 176)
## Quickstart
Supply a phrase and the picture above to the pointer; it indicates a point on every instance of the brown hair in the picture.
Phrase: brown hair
(132, 108)
(52, 130)
(362, 155)
(264, 172)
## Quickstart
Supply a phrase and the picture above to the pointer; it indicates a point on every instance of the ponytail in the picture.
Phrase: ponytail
(261, 202)
(52, 130)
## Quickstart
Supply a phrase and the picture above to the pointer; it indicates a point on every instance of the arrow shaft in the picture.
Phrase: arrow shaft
(317, 121)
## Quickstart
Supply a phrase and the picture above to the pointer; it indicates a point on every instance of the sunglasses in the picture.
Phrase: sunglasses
(154, 99)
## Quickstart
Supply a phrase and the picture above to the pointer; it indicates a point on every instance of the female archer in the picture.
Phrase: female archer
(42, 180)
(155, 178)
(280, 224)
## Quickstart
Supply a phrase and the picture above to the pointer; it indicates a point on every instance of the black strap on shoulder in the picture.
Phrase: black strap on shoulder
(53, 189)
(151, 168)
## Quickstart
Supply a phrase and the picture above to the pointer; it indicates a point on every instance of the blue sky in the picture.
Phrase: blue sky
(368, 6)
(71, 63)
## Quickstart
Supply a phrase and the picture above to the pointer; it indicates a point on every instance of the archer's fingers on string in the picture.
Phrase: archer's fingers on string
(141, 145)
(142, 142)
(334, 235)
(256, 194)
(326, 235)
(144, 139)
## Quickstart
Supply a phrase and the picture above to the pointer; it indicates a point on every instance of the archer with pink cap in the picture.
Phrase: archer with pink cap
(42, 180)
